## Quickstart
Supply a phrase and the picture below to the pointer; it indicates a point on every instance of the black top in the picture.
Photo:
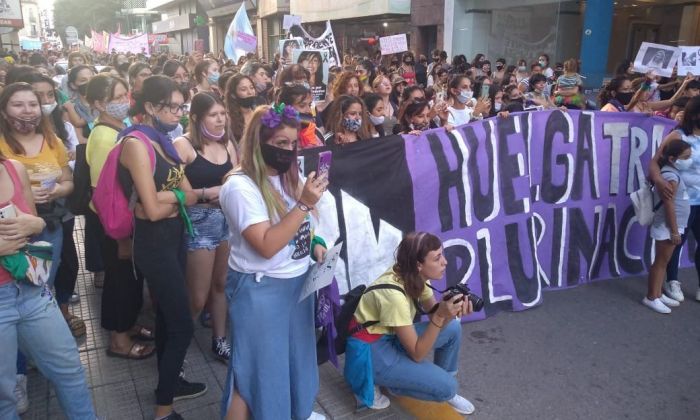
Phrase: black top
(205, 174)
(167, 176)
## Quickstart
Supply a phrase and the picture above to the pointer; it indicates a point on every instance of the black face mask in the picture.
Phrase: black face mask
(306, 117)
(499, 66)
(249, 102)
(277, 158)
(82, 89)
(436, 59)
(624, 98)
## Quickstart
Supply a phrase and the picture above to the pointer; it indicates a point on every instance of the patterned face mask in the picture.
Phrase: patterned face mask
(24, 126)
(351, 124)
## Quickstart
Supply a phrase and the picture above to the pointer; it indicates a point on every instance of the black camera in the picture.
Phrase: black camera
(463, 289)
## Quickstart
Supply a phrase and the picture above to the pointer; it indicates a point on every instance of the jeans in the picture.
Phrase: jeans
(393, 368)
(159, 254)
(55, 238)
(68, 268)
(29, 315)
(273, 348)
(694, 225)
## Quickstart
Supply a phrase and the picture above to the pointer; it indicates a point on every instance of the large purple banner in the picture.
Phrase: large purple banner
(535, 201)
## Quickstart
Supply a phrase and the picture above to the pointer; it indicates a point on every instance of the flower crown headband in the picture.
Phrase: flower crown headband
(273, 116)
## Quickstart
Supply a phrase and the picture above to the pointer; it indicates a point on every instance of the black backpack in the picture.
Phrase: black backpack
(347, 312)
(78, 202)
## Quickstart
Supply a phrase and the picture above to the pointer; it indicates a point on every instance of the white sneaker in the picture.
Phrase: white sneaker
(671, 303)
(316, 416)
(461, 404)
(381, 401)
(656, 305)
(673, 290)
(21, 394)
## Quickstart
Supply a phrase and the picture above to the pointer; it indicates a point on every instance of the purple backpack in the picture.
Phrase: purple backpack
(113, 206)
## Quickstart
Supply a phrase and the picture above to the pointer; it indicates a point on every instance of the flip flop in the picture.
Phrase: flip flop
(135, 353)
(142, 333)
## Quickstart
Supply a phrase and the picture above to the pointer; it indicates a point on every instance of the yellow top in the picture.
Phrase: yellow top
(101, 141)
(390, 307)
(47, 165)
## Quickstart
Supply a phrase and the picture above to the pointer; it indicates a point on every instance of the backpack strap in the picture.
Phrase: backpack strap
(147, 142)
(384, 286)
(661, 202)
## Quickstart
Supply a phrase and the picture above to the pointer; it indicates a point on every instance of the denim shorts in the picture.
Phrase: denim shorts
(210, 228)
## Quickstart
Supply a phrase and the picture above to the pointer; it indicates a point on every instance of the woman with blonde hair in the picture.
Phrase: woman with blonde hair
(269, 207)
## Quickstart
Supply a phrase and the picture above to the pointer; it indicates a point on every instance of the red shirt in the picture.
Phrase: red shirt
(19, 202)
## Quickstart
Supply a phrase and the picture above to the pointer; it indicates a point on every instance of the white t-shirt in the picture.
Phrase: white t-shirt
(243, 206)
(459, 117)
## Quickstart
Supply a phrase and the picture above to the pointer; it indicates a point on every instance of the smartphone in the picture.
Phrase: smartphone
(440, 96)
(485, 91)
(8, 212)
(324, 164)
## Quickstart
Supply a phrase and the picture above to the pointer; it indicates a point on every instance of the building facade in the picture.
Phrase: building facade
(184, 22)
(355, 22)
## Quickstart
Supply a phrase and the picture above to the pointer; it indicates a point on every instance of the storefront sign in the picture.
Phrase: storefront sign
(11, 14)
(177, 23)
(393, 44)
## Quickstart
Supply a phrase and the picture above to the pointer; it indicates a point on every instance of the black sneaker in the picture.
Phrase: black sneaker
(185, 390)
(174, 416)
(221, 349)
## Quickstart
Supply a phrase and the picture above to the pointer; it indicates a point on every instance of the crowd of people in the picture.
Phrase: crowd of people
(223, 231)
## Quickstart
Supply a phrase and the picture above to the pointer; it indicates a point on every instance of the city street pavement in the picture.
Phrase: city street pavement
(593, 352)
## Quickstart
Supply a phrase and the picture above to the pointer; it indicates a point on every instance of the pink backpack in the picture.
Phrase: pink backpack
(114, 208)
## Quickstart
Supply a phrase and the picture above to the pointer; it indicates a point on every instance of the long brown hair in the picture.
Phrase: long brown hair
(334, 120)
(253, 165)
(44, 127)
(235, 115)
(201, 104)
(412, 250)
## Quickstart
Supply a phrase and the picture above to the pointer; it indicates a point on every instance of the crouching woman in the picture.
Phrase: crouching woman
(392, 352)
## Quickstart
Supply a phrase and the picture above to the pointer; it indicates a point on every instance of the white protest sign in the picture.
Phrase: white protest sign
(290, 20)
(657, 57)
(321, 275)
(689, 61)
(393, 44)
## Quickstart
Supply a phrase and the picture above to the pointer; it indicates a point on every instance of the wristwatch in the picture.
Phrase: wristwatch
(303, 207)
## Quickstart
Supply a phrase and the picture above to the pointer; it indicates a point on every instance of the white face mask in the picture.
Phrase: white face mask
(376, 120)
(47, 109)
(465, 96)
(683, 164)
(497, 106)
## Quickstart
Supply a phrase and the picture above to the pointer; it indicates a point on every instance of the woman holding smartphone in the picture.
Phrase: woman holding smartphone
(270, 212)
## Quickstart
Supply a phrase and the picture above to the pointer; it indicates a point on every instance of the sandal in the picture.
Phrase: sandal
(140, 332)
(136, 352)
(76, 325)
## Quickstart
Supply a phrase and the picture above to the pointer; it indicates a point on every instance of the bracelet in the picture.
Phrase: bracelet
(433, 322)
(303, 207)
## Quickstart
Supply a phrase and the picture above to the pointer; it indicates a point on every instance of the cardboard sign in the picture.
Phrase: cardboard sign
(657, 57)
(393, 44)
(689, 61)
(321, 275)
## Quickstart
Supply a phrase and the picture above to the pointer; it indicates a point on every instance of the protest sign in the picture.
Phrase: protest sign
(522, 204)
(316, 62)
(689, 61)
(135, 44)
(321, 274)
(657, 57)
(240, 38)
(286, 47)
(393, 44)
(324, 42)
(290, 20)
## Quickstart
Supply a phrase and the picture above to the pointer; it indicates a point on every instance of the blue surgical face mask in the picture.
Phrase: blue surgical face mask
(683, 164)
(464, 96)
(213, 78)
(352, 125)
(163, 127)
